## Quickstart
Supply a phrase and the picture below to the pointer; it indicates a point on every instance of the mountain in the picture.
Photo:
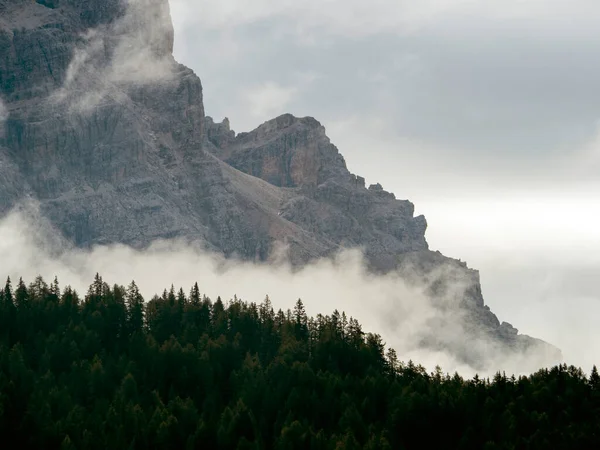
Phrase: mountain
(108, 133)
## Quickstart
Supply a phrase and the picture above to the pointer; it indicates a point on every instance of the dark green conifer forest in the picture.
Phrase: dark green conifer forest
(109, 370)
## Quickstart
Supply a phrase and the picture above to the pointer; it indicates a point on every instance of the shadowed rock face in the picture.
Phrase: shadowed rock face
(107, 131)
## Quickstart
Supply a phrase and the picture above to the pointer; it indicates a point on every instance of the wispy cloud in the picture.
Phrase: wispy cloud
(3, 112)
(134, 50)
(269, 99)
(398, 307)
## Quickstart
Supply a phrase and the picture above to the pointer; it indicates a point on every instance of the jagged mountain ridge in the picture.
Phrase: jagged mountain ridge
(101, 118)
(324, 198)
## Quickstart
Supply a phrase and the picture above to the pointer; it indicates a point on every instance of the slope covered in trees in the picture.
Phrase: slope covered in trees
(181, 371)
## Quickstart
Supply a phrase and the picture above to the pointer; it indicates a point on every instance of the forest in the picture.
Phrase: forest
(110, 370)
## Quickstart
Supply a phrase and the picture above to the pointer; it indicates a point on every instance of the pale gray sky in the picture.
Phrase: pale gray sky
(484, 114)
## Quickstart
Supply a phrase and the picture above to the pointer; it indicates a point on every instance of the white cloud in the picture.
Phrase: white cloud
(360, 18)
(551, 223)
(587, 160)
(538, 253)
(345, 17)
(508, 78)
(269, 100)
(139, 44)
(3, 111)
(399, 311)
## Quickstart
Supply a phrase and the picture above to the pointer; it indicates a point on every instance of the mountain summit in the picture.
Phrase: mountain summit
(107, 131)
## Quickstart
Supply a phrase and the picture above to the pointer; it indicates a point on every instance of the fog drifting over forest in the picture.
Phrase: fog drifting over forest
(504, 170)
(387, 305)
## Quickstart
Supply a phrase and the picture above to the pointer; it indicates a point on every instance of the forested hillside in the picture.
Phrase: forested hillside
(110, 371)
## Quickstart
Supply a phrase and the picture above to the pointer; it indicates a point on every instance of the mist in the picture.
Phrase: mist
(538, 252)
(140, 44)
(3, 112)
(397, 308)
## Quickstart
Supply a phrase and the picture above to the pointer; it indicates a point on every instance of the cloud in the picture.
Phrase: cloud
(135, 50)
(564, 220)
(497, 83)
(358, 18)
(3, 112)
(587, 160)
(538, 253)
(269, 99)
(396, 307)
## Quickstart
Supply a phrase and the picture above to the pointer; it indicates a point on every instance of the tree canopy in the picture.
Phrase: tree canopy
(110, 370)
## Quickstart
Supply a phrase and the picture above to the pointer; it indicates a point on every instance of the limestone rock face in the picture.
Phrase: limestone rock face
(88, 137)
(107, 131)
(325, 199)
(288, 152)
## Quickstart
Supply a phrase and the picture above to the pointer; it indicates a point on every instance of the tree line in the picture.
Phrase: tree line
(181, 371)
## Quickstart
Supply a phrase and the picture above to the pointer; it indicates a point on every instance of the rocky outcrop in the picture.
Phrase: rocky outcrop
(107, 131)
(324, 198)
(320, 195)
(288, 152)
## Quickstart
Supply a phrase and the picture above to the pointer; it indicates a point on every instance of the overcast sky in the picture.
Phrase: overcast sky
(484, 114)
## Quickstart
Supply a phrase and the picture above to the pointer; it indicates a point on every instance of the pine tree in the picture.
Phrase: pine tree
(301, 322)
(7, 293)
(595, 379)
(392, 360)
(21, 296)
(55, 288)
(135, 309)
(195, 295)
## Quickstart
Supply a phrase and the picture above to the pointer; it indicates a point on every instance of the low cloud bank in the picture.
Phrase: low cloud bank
(401, 312)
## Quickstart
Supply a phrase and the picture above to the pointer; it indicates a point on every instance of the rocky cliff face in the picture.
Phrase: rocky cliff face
(324, 198)
(97, 116)
(103, 119)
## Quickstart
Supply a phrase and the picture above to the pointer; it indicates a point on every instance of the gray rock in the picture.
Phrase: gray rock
(325, 199)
